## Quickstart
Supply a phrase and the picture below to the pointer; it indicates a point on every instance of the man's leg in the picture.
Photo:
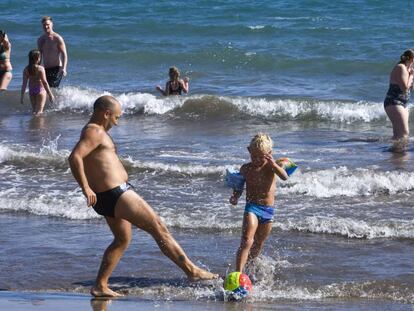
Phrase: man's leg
(121, 230)
(132, 207)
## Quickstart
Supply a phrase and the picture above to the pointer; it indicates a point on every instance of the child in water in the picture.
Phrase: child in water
(38, 86)
(175, 86)
(260, 198)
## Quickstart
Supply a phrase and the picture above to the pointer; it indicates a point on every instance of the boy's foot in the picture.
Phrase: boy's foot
(103, 292)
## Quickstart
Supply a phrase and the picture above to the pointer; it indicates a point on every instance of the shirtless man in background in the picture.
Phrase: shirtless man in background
(104, 181)
(53, 49)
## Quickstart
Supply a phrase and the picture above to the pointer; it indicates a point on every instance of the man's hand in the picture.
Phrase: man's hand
(90, 197)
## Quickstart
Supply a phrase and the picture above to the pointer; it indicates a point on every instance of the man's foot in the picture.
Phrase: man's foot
(200, 274)
(98, 291)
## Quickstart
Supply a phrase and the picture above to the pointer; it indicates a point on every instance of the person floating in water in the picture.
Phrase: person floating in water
(104, 181)
(175, 86)
(260, 177)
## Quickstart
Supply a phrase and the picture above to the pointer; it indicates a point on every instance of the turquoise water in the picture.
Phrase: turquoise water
(312, 74)
(318, 49)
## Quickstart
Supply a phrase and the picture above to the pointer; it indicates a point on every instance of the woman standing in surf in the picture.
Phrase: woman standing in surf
(398, 95)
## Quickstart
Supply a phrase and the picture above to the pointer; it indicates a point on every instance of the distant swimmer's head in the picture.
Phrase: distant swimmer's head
(47, 24)
(174, 73)
(260, 145)
(108, 109)
(407, 56)
(2, 35)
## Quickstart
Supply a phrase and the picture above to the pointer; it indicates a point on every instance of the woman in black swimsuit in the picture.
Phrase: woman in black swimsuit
(398, 95)
(5, 65)
(175, 86)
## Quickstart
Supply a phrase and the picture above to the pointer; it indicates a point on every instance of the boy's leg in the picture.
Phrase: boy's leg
(132, 207)
(250, 224)
(262, 232)
(121, 230)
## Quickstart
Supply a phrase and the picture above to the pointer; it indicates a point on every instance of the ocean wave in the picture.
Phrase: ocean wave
(342, 181)
(326, 183)
(78, 100)
(71, 204)
(350, 228)
(46, 155)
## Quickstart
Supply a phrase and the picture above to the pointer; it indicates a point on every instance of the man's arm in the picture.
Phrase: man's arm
(62, 49)
(40, 45)
(90, 140)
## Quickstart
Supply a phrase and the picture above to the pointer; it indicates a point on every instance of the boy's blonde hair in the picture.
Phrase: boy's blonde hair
(261, 142)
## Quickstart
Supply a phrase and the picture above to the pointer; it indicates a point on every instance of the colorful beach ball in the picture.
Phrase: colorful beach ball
(238, 284)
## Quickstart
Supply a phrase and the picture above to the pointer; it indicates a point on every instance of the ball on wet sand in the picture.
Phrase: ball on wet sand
(238, 284)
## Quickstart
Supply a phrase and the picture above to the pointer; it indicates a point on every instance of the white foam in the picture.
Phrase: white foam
(72, 206)
(349, 227)
(346, 182)
(48, 153)
(330, 110)
(184, 168)
(256, 27)
(74, 98)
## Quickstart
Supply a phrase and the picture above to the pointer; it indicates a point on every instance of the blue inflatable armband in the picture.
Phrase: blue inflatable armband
(288, 165)
(234, 180)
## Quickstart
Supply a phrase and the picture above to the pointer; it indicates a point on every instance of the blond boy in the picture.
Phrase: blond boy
(260, 175)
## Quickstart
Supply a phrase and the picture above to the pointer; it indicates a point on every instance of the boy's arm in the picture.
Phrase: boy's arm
(234, 199)
(277, 169)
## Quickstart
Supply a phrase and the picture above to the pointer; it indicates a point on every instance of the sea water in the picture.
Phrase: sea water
(311, 74)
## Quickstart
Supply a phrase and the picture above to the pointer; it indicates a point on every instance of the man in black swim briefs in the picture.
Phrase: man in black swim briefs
(104, 181)
(54, 55)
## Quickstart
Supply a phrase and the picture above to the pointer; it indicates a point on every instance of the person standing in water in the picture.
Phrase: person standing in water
(53, 49)
(5, 64)
(260, 176)
(104, 181)
(34, 73)
(398, 95)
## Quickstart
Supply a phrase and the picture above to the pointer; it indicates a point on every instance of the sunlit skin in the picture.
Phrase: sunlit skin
(5, 65)
(260, 175)
(53, 48)
(402, 74)
(97, 168)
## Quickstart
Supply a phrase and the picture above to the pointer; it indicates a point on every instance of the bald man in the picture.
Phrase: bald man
(104, 181)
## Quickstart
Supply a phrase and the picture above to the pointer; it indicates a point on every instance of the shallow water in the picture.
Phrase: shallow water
(344, 224)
